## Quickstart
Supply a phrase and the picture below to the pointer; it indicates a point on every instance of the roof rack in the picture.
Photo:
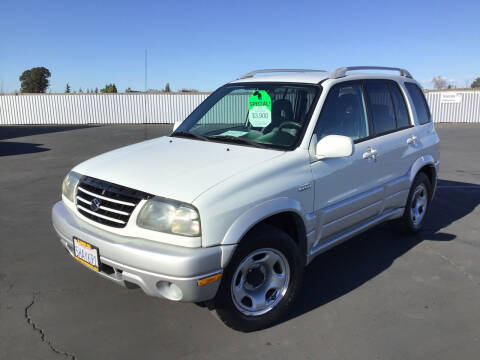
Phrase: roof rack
(341, 72)
(263, 71)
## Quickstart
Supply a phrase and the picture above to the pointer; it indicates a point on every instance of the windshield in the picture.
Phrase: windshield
(265, 115)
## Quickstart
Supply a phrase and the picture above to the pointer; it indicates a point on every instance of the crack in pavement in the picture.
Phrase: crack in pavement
(42, 332)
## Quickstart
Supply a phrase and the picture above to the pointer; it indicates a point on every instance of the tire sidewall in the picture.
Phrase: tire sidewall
(264, 237)
(419, 179)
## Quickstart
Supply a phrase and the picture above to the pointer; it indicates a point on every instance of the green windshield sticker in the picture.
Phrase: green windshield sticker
(260, 109)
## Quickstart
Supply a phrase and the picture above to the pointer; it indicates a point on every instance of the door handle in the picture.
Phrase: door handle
(412, 140)
(370, 154)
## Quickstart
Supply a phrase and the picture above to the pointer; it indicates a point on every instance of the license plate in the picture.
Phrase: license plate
(86, 253)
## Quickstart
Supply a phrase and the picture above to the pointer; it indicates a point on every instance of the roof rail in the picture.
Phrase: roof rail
(341, 72)
(263, 71)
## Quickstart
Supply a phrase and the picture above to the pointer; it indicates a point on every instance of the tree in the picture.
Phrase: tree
(476, 83)
(96, 90)
(109, 88)
(167, 87)
(35, 80)
(67, 89)
(439, 82)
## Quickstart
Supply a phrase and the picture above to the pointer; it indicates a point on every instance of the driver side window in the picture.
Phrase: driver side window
(343, 113)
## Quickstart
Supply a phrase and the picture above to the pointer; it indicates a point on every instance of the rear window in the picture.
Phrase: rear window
(400, 107)
(382, 110)
(419, 102)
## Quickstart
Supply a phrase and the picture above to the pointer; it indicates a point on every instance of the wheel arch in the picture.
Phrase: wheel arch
(284, 213)
(425, 164)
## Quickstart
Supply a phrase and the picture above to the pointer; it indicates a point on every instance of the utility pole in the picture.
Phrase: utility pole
(145, 70)
(145, 99)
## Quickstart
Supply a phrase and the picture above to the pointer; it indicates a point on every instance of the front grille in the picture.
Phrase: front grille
(107, 203)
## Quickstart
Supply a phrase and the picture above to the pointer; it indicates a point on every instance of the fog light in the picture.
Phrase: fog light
(169, 290)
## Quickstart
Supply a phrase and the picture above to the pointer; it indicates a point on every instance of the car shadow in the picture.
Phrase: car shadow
(15, 131)
(358, 260)
(8, 148)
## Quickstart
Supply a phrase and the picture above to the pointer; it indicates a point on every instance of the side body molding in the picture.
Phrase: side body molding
(256, 214)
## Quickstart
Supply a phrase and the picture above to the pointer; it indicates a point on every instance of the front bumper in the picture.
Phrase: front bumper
(161, 270)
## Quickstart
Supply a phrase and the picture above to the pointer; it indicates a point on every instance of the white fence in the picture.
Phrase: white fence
(455, 106)
(97, 108)
(446, 106)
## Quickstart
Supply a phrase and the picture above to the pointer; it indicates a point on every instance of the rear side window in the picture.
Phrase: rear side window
(400, 107)
(382, 110)
(419, 102)
(343, 113)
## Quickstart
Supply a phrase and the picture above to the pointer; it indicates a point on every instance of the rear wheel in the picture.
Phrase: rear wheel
(261, 282)
(418, 204)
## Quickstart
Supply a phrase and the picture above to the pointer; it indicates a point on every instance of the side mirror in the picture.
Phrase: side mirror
(176, 125)
(334, 146)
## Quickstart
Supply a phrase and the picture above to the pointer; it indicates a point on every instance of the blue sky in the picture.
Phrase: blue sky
(203, 44)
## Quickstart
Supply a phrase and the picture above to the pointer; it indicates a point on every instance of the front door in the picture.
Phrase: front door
(347, 190)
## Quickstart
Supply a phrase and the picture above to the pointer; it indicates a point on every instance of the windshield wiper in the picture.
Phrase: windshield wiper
(187, 134)
(234, 139)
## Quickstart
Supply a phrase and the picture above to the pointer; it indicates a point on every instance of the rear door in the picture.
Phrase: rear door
(393, 140)
(424, 138)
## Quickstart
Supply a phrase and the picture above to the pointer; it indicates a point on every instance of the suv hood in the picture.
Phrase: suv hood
(175, 168)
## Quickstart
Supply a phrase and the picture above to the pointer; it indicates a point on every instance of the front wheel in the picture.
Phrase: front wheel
(261, 282)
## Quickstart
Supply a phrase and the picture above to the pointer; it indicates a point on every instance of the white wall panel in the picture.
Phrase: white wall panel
(466, 111)
(167, 108)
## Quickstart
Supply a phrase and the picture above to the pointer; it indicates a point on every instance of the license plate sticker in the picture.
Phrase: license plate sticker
(86, 253)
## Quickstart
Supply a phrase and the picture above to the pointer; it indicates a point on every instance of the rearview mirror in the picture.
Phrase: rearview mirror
(334, 146)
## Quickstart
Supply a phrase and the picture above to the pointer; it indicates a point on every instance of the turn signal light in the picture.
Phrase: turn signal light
(209, 280)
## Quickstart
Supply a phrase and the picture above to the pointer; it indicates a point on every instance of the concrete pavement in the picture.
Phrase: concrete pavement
(377, 296)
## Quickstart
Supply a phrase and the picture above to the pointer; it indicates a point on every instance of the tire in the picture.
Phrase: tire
(418, 204)
(267, 266)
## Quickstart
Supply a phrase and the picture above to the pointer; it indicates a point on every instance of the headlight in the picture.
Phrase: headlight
(69, 184)
(170, 217)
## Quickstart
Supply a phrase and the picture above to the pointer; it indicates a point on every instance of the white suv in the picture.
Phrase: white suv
(267, 173)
